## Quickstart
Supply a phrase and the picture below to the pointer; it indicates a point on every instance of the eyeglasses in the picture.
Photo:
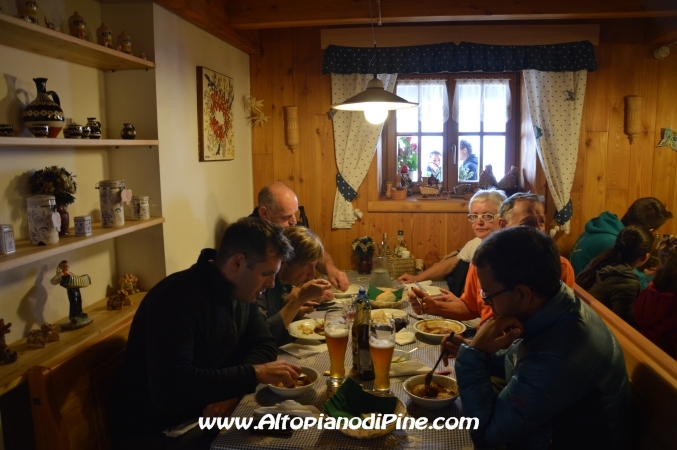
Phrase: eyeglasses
(485, 217)
(487, 298)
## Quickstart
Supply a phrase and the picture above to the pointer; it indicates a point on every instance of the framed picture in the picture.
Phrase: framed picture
(215, 115)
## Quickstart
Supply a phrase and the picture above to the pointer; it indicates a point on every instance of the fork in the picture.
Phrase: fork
(425, 316)
(429, 375)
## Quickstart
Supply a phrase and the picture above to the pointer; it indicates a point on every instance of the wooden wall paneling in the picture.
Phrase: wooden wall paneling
(623, 82)
(283, 80)
(597, 92)
(663, 178)
(592, 199)
(618, 150)
(616, 201)
(666, 117)
(641, 167)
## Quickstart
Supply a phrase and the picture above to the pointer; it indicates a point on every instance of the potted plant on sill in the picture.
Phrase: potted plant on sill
(58, 182)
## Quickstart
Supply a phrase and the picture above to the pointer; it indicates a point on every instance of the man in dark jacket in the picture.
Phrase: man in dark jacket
(198, 340)
(567, 383)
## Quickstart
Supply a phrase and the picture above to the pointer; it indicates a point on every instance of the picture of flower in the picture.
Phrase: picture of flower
(364, 246)
(55, 181)
(215, 110)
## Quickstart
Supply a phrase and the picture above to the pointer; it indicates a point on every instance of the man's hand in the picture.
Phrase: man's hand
(496, 334)
(427, 304)
(315, 291)
(406, 278)
(452, 347)
(338, 278)
(277, 371)
(221, 409)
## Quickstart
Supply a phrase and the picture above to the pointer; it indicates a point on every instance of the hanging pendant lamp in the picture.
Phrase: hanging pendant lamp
(375, 101)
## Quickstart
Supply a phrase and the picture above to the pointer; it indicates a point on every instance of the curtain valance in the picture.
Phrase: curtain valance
(464, 57)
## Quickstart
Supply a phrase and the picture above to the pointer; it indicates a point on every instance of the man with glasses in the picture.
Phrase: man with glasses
(518, 210)
(567, 383)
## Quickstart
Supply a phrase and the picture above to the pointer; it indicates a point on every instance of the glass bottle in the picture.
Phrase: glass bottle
(401, 244)
(362, 309)
(385, 246)
(365, 366)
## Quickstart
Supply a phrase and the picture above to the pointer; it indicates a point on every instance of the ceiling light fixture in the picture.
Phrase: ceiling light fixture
(375, 101)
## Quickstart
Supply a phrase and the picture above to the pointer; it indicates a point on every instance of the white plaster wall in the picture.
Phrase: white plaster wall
(198, 198)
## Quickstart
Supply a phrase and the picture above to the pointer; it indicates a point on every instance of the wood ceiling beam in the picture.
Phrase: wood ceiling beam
(211, 16)
(257, 14)
(660, 30)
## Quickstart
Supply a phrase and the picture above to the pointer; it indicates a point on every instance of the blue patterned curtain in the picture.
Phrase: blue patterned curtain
(464, 57)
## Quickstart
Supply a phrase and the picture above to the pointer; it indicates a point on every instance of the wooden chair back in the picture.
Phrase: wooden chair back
(653, 380)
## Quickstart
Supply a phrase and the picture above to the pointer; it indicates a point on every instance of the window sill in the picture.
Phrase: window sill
(415, 204)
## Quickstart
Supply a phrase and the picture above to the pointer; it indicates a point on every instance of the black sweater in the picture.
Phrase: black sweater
(189, 345)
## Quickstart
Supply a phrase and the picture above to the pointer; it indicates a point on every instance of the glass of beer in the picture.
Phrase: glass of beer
(382, 346)
(336, 331)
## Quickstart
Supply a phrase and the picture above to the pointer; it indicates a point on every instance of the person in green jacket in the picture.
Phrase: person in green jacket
(600, 232)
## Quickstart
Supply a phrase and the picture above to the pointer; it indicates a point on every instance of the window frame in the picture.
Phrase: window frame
(451, 134)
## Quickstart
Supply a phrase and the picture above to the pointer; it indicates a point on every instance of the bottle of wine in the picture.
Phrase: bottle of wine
(365, 366)
(401, 244)
(360, 302)
(303, 220)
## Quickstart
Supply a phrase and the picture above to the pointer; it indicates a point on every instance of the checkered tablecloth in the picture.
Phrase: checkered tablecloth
(315, 439)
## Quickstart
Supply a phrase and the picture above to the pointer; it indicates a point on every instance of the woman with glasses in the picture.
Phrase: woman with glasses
(483, 214)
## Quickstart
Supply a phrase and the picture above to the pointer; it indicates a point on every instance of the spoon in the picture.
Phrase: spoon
(404, 354)
(429, 375)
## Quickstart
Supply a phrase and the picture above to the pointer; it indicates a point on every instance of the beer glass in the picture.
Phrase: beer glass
(382, 346)
(336, 331)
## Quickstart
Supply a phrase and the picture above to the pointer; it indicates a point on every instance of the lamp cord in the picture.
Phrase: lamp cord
(373, 33)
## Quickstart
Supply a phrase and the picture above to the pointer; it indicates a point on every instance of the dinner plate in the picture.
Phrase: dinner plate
(454, 325)
(353, 289)
(430, 290)
(296, 329)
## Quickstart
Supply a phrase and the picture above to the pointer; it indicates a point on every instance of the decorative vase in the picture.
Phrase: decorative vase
(65, 219)
(128, 131)
(94, 128)
(389, 185)
(104, 36)
(364, 265)
(28, 10)
(125, 43)
(73, 131)
(44, 110)
(77, 26)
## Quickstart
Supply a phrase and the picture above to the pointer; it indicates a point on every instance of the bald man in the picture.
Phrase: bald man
(278, 204)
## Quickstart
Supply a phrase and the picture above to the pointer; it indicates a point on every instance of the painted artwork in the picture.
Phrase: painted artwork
(215, 115)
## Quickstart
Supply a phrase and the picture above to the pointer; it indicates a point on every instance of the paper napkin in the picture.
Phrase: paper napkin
(289, 407)
(408, 368)
(404, 337)
(303, 350)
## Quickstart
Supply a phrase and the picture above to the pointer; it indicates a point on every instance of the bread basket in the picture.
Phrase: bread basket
(360, 433)
(398, 194)
(429, 190)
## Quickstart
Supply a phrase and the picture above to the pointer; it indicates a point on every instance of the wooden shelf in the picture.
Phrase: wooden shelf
(105, 324)
(88, 143)
(38, 39)
(27, 253)
(415, 204)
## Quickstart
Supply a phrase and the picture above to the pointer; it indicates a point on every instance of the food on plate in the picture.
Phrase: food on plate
(386, 297)
(439, 327)
(439, 330)
(319, 329)
(302, 380)
(310, 328)
(439, 392)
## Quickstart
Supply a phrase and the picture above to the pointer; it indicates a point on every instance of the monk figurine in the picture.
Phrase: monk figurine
(66, 279)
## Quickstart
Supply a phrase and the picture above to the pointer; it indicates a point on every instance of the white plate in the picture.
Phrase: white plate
(405, 356)
(295, 329)
(353, 289)
(430, 290)
(421, 325)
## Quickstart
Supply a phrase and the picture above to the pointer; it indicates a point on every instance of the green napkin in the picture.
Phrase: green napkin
(374, 292)
(351, 401)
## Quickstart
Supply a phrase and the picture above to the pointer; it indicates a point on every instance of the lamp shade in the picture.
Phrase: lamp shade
(374, 96)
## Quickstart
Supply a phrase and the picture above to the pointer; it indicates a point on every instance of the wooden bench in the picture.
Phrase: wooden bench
(70, 382)
(653, 380)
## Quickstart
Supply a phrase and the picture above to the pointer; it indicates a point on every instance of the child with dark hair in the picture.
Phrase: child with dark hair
(610, 277)
(656, 307)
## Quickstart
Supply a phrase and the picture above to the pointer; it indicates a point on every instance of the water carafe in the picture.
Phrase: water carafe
(380, 275)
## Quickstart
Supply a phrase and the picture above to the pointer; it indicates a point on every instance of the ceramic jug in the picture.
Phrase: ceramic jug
(45, 109)
(125, 43)
(128, 131)
(28, 10)
(77, 26)
(94, 128)
(104, 36)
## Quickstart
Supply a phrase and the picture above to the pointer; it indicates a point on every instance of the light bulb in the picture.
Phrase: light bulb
(376, 115)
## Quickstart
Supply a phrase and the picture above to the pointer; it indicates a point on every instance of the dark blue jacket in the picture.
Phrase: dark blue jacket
(567, 383)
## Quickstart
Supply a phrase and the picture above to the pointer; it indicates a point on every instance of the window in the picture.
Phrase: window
(481, 128)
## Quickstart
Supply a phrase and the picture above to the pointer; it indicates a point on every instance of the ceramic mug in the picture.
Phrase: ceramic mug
(6, 129)
(40, 130)
(73, 131)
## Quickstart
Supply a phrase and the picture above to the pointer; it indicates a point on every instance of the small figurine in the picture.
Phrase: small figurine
(28, 10)
(405, 181)
(77, 25)
(65, 278)
(39, 338)
(7, 356)
(49, 24)
(125, 43)
(128, 283)
(487, 178)
(143, 55)
(510, 180)
(104, 36)
(117, 301)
